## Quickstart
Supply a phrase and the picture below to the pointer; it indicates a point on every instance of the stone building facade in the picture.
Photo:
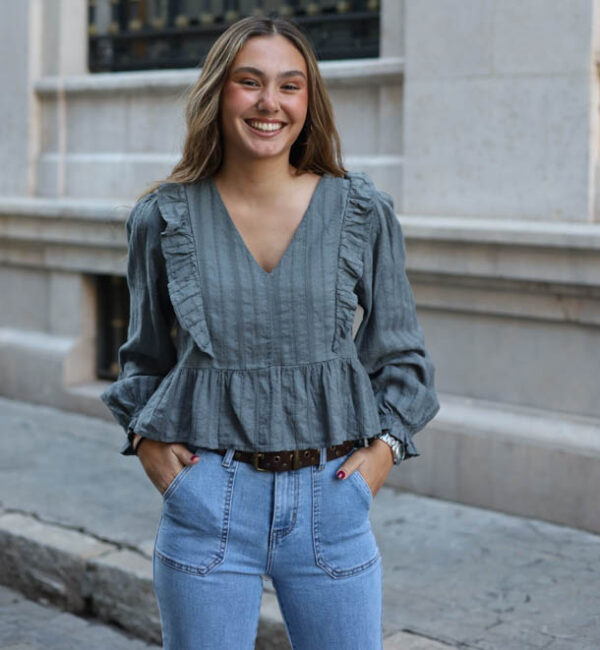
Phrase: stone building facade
(480, 117)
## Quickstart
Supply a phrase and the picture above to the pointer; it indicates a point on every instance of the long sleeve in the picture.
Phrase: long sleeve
(149, 352)
(390, 341)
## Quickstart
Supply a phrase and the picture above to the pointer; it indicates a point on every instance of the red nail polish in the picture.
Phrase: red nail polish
(341, 474)
(194, 457)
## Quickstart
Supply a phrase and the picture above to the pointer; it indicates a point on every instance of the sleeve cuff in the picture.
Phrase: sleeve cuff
(127, 448)
(402, 434)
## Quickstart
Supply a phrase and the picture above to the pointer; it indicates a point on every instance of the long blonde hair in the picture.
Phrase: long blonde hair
(317, 148)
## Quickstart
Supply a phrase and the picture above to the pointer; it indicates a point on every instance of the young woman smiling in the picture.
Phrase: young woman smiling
(265, 426)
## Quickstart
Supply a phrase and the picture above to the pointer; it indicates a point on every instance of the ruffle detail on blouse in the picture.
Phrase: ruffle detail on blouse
(264, 409)
(179, 251)
(354, 238)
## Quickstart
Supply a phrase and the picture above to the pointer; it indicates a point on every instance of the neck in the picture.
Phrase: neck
(260, 180)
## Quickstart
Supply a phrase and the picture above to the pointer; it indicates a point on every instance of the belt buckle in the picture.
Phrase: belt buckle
(255, 457)
(296, 459)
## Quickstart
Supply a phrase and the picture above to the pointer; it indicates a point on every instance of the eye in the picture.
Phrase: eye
(291, 87)
(248, 82)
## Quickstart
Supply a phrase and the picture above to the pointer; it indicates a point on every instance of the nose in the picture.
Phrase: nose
(268, 100)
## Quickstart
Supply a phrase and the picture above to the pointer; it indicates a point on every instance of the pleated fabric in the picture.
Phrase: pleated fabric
(221, 352)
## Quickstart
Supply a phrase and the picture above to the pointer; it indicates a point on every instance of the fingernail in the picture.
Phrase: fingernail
(341, 474)
(194, 457)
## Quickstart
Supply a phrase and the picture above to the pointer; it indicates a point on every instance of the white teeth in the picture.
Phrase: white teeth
(264, 126)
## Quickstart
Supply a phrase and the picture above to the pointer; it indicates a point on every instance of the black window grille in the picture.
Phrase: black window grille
(113, 320)
(151, 34)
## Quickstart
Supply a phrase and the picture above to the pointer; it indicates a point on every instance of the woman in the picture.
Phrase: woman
(267, 429)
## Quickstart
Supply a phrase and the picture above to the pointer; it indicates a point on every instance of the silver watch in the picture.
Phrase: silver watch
(398, 448)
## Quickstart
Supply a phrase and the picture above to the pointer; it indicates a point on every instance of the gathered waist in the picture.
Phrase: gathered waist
(209, 365)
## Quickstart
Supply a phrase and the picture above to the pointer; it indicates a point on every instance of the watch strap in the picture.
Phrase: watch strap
(397, 446)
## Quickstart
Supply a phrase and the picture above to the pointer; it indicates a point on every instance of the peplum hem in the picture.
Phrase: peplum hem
(265, 409)
(354, 238)
(179, 250)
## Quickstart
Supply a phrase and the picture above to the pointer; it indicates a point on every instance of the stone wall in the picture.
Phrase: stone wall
(480, 118)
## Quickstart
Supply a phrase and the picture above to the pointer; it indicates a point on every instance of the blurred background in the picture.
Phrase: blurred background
(480, 118)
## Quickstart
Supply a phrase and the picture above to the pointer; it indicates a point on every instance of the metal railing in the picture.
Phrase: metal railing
(151, 34)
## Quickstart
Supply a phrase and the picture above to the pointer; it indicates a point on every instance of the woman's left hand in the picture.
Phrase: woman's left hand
(374, 461)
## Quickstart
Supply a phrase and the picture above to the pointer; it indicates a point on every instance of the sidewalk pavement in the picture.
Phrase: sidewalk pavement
(77, 525)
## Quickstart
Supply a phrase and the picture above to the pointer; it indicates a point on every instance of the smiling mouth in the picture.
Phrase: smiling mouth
(265, 128)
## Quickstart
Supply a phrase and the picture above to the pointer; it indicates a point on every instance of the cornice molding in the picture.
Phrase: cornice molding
(463, 250)
(335, 73)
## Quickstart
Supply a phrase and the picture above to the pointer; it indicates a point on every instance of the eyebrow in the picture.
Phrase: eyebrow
(260, 73)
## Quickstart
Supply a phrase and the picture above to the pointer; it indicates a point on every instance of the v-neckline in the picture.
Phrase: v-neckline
(237, 233)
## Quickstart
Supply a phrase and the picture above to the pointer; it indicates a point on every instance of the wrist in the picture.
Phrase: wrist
(378, 442)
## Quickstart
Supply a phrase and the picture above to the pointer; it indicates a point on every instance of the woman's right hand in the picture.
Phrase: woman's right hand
(162, 461)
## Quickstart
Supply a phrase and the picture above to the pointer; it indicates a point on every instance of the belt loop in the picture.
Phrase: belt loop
(322, 458)
(228, 456)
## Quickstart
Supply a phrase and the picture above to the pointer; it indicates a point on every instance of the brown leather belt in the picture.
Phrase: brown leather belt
(282, 461)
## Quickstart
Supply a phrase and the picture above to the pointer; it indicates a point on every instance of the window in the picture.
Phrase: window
(113, 319)
(151, 34)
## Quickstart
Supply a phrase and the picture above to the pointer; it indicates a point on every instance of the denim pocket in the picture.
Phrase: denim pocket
(174, 484)
(361, 481)
(344, 542)
(194, 524)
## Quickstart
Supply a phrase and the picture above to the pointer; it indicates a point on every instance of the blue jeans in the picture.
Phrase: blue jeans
(225, 524)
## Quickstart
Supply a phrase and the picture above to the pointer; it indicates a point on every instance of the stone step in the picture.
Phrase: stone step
(88, 576)
(28, 625)
(77, 526)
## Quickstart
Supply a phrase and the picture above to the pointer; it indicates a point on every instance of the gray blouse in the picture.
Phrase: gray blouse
(221, 352)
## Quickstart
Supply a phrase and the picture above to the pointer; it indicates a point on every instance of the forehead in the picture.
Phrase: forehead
(270, 53)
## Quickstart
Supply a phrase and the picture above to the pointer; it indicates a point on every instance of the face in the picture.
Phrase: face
(264, 101)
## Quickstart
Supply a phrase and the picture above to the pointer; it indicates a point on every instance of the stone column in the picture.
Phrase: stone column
(499, 109)
(19, 38)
